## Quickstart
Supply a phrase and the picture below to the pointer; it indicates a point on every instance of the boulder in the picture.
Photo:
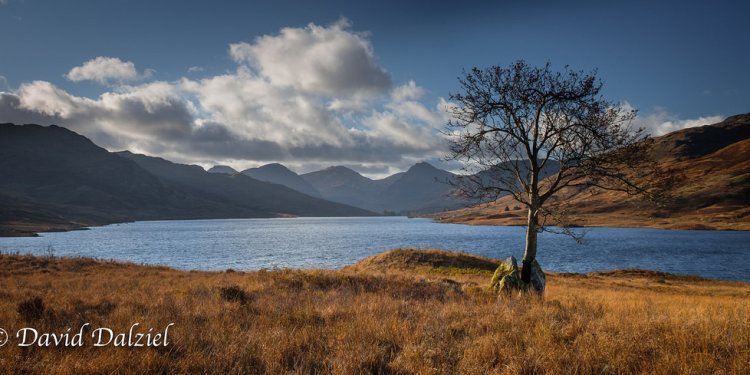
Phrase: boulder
(507, 277)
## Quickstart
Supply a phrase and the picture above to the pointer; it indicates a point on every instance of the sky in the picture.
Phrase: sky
(313, 84)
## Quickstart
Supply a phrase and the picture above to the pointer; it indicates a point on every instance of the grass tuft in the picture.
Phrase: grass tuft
(31, 309)
(235, 294)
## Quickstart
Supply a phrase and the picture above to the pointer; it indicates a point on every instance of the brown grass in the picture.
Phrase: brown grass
(711, 194)
(366, 319)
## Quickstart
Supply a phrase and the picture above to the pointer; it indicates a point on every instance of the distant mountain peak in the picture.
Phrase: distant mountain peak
(420, 189)
(274, 165)
(342, 171)
(423, 165)
(225, 169)
(34, 130)
(340, 168)
(279, 174)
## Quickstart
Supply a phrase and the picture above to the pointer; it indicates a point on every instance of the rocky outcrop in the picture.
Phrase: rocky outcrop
(507, 277)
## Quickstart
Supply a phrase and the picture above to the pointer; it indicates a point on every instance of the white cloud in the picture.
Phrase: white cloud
(409, 91)
(660, 121)
(195, 69)
(105, 70)
(331, 61)
(327, 102)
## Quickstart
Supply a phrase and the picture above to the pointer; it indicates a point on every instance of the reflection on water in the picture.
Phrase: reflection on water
(249, 244)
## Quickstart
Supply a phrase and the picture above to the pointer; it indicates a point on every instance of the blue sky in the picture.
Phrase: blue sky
(680, 63)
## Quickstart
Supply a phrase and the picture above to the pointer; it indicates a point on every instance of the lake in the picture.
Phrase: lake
(251, 244)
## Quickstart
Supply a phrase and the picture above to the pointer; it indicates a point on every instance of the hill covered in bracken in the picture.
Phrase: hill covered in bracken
(711, 165)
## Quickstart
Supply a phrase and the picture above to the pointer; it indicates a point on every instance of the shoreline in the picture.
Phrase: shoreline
(594, 222)
(35, 229)
(614, 272)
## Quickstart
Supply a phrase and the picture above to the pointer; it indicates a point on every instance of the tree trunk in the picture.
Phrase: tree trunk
(530, 252)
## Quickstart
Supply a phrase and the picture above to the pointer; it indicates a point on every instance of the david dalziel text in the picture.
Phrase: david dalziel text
(87, 335)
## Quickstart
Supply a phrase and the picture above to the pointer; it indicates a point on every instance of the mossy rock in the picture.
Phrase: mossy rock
(507, 277)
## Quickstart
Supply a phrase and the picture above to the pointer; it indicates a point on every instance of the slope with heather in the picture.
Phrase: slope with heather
(712, 167)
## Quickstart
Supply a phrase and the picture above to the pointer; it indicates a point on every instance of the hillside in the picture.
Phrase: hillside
(279, 174)
(55, 179)
(341, 184)
(402, 312)
(222, 169)
(421, 189)
(52, 176)
(239, 190)
(711, 162)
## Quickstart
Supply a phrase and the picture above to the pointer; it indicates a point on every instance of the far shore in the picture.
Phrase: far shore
(34, 229)
(26, 229)
(612, 220)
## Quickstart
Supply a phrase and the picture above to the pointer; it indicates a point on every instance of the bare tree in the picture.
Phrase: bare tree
(531, 132)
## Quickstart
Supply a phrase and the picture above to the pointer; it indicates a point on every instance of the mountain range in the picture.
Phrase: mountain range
(54, 179)
(279, 174)
(711, 164)
(421, 189)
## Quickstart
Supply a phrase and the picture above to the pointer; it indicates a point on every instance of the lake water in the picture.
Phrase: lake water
(251, 244)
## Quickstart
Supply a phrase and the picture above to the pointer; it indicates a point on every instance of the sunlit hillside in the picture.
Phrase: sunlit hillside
(711, 170)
